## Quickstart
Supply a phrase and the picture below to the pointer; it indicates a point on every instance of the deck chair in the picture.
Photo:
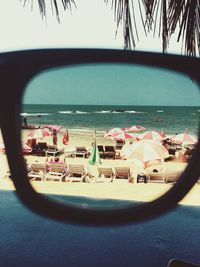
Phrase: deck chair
(81, 151)
(77, 173)
(156, 176)
(105, 174)
(122, 173)
(57, 172)
(119, 144)
(171, 175)
(110, 152)
(101, 151)
(53, 150)
(37, 172)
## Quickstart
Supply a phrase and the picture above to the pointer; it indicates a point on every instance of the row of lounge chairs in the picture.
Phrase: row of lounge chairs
(57, 172)
(42, 149)
(107, 151)
(73, 172)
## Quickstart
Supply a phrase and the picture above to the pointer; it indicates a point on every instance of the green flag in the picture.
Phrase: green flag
(94, 157)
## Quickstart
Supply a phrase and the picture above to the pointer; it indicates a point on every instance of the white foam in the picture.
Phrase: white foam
(35, 114)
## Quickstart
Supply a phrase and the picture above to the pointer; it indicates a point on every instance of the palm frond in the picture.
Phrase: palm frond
(167, 17)
(149, 7)
(156, 15)
(55, 6)
(188, 13)
(125, 14)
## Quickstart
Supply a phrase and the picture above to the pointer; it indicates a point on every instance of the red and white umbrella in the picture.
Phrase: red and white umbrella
(25, 148)
(184, 138)
(150, 135)
(163, 134)
(53, 127)
(134, 128)
(145, 151)
(113, 132)
(123, 136)
(38, 134)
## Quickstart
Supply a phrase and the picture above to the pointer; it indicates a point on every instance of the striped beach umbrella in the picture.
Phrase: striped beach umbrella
(113, 132)
(25, 148)
(184, 138)
(38, 134)
(145, 151)
(57, 128)
(134, 128)
(123, 136)
(150, 135)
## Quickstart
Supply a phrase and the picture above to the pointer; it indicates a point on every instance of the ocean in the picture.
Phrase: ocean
(170, 119)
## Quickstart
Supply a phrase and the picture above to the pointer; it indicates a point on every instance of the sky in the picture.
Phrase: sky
(91, 25)
(112, 84)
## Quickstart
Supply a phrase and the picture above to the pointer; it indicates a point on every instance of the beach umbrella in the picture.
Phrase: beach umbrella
(25, 148)
(56, 128)
(66, 138)
(184, 138)
(145, 151)
(112, 132)
(162, 133)
(38, 134)
(123, 136)
(150, 135)
(134, 128)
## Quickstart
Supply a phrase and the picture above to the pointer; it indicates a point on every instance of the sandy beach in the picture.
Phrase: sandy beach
(120, 189)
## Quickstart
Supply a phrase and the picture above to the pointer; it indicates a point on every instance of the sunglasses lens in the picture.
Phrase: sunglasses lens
(108, 134)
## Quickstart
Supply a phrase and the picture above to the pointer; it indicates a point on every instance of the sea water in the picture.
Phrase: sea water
(170, 119)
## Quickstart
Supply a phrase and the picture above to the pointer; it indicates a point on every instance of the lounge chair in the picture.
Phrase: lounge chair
(38, 171)
(81, 151)
(119, 144)
(77, 173)
(42, 146)
(122, 173)
(53, 150)
(57, 172)
(110, 152)
(158, 176)
(105, 174)
(101, 151)
(171, 175)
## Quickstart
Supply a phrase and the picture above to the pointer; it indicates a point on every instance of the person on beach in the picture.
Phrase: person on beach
(25, 121)
(55, 138)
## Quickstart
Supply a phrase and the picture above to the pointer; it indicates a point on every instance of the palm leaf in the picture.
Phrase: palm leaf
(167, 17)
(188, 14)
(124, 14)
(55, 5)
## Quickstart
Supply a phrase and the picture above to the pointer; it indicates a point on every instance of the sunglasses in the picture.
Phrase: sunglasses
(100, 137)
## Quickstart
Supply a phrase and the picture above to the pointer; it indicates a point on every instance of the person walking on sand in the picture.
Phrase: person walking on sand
(25, 121)
(55, 138)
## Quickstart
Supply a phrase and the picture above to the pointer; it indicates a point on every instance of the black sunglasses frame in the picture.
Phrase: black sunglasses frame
(17, 69)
